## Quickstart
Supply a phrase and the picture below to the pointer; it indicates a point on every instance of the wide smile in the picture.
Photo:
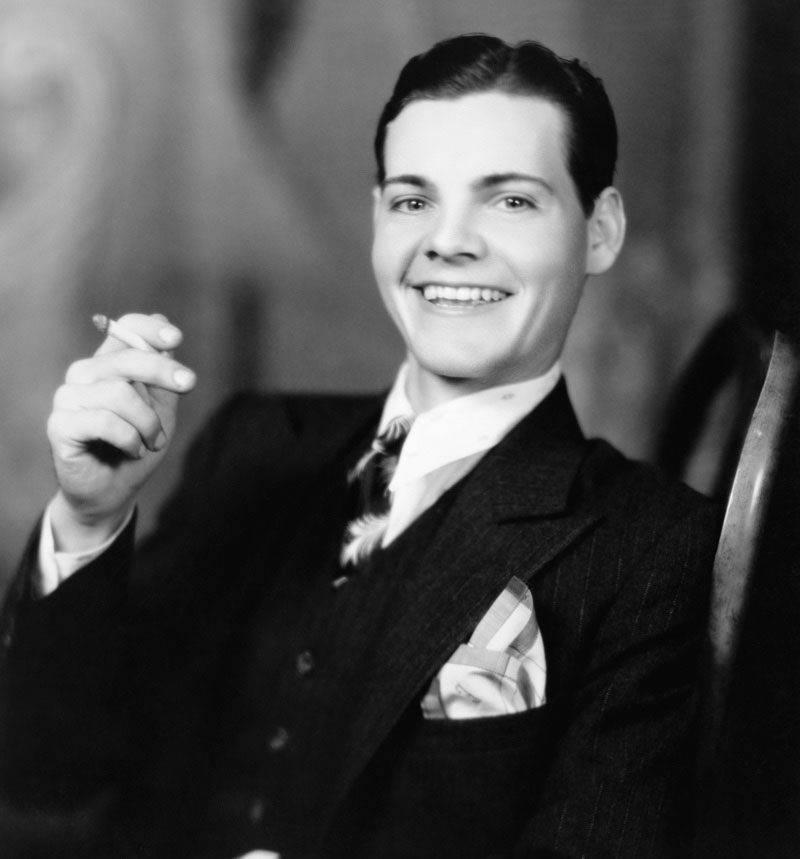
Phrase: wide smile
(461, 296)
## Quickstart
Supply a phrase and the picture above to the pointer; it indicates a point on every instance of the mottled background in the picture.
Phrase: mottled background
(211, 159)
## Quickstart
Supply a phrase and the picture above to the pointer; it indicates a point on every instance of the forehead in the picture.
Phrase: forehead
(480, 133)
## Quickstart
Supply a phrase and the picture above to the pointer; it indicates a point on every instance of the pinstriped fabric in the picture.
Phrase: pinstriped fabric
(601, 770)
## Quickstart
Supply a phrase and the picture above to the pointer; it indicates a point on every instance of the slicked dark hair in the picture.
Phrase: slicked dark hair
(478, 63)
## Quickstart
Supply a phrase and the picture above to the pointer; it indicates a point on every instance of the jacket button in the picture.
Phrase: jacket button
(255, 811)
(278, 740)
(304, 663)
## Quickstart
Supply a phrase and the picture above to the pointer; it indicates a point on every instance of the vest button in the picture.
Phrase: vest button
(278, 740)
(255, 811)
(304, 663)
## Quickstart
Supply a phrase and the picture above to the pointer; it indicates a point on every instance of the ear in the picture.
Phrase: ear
(606, 231)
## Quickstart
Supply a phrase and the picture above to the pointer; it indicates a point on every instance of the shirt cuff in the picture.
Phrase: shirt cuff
(56, 567)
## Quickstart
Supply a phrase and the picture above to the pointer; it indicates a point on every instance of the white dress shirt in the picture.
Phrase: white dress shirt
(56, 567)
(446, 442)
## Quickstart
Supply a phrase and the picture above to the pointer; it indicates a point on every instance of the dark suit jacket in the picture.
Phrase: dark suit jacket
(224, 695)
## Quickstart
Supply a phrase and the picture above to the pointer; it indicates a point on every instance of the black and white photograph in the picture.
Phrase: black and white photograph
(399, 429)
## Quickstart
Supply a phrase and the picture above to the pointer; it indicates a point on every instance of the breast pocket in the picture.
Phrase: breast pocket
(462, 787)
(487, 772)
(523, 735)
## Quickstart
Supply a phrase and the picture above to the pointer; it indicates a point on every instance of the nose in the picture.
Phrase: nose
(454, 236)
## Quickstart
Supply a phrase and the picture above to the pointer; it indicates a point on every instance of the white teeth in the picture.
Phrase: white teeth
(466, 294)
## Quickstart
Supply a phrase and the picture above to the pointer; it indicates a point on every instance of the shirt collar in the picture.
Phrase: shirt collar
(461, 427)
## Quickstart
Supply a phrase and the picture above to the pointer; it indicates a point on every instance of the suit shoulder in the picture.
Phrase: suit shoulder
(658, 534)
(299, 414)
(636, 490)
(251, 425)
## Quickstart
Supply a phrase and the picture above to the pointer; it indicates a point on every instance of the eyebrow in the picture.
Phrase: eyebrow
(405, 179)
(483, 183)
(495, 179)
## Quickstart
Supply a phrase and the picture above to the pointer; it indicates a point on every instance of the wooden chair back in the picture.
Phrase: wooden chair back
(748, 762)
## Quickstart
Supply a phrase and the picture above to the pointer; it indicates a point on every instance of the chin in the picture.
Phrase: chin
(459, 367)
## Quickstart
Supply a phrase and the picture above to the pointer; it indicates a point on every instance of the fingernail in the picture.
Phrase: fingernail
(183, 378)
(161, 440)
(169, 335)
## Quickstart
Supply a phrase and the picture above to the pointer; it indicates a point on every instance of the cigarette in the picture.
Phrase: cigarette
(119, 332)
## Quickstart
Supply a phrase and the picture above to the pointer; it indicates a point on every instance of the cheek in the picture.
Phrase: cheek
(533, 265)
(392, 253)
(542, 259)
(387, 269)
(384, 252)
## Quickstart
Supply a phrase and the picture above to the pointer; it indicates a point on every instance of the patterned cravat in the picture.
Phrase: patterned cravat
(374, 472)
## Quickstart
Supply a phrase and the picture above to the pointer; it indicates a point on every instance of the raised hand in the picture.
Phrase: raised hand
(112, 421)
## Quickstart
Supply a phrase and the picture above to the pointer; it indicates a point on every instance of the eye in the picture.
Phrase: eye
(408, 205)
(516, 203)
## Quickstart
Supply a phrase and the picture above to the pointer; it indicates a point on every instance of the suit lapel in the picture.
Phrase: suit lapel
(509, 517)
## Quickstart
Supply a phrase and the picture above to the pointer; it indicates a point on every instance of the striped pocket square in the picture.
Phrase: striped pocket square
(501, 670)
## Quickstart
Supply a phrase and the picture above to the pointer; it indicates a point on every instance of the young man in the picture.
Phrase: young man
(502, 663)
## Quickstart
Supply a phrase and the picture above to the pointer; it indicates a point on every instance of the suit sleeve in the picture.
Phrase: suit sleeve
(61, 726)
(65, 723)
(621, 782)
(102, 583)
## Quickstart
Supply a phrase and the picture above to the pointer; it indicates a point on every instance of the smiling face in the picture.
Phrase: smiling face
(481, 248)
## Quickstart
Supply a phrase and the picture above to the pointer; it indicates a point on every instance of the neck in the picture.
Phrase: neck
(426, 390)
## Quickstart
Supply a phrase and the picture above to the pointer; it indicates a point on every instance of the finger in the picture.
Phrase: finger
(73, 431)
(121, 398)
(163, 401)
(155, 330)
(133, 365)
(164, 404)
